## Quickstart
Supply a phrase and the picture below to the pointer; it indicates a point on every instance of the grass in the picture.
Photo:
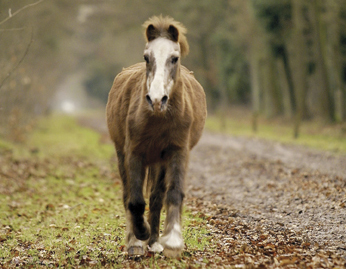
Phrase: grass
(313, 134)
(60, 135)
(60, 203)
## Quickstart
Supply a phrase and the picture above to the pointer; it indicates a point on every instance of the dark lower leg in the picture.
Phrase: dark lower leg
(172, 238)
(140, 226)
(134, 246)
(136, 203)
(156, 202)
(174, 204)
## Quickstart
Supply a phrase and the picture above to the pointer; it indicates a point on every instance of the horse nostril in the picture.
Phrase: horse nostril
(164, 100)
(149, 100)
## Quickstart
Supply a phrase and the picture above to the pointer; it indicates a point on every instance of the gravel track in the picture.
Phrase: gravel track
(269, 184)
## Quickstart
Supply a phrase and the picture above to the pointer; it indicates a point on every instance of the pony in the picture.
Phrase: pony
(156, 112)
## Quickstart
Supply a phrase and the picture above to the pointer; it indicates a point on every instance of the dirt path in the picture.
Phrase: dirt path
(271, 185)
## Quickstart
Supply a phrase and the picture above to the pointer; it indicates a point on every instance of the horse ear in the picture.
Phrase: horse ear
(151, 32)
(174, 33)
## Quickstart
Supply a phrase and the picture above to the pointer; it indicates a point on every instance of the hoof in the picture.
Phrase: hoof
(156, 247)
(135, 250)
(172, 253)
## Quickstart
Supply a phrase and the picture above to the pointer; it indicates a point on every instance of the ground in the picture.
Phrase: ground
(274, 186)
(250, 203)
(286, 200)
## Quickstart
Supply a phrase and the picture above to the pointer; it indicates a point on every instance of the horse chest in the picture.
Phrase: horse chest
(155, 144)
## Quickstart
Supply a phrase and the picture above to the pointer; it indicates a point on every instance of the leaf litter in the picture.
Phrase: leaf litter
(242, 211)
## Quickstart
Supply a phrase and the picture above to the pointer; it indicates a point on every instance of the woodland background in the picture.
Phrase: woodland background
(278, 58)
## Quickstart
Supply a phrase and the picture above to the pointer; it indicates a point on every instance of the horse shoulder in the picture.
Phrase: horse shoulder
(197, 100)
(126, 85)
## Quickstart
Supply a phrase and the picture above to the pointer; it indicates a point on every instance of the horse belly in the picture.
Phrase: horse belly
(155, 150)
(152, 156)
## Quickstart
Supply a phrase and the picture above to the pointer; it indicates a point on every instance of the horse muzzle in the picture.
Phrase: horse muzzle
(157, 105)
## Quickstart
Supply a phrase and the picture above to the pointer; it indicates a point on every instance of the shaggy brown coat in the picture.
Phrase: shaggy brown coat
(128, 115)
(158, 142)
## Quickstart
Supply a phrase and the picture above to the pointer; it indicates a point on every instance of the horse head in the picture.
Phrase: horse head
(166, 44)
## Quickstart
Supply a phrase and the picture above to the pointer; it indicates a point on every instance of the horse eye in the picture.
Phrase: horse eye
(146, 58)
(174, 60)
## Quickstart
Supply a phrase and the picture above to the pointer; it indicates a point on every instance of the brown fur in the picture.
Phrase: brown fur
(182, 126)
(159, 142)
(162, 25)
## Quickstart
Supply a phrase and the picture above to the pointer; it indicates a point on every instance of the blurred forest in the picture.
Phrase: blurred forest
(279, 58)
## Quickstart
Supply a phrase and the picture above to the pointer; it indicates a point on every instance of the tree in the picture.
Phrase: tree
(333, 52)
(299, 53)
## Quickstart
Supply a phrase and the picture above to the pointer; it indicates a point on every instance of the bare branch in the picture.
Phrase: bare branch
(21, 59)
(12, 29)
(10, 15)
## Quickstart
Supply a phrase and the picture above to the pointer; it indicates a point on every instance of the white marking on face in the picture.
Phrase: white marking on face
(160, 55)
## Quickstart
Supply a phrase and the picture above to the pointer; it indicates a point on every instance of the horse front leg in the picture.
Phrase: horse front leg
(172, 239)
(158, 188)
(123, 176)
(138, 228)
(134, 246)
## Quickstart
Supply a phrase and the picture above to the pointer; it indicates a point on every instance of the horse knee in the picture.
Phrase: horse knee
(136, 208)
(175, 197)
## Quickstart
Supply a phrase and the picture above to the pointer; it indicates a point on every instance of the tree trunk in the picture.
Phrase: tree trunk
(271, 97)
(256, 46)
(285, 89)
(334, 57)
(324, 96)
(255, 87)
(204, 57)
(299, 64)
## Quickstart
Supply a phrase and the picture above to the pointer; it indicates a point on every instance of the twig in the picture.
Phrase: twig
(10, 15)
(21, 59)
(12, 29)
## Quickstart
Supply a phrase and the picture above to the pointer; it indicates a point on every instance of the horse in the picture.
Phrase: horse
(156, 112)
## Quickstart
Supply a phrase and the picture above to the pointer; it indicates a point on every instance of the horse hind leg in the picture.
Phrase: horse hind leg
(158, 188)
(172, 239)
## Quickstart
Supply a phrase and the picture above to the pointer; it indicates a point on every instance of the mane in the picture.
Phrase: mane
(162, 24)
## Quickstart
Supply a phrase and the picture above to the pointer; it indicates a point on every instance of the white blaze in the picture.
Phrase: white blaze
(161, 83)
